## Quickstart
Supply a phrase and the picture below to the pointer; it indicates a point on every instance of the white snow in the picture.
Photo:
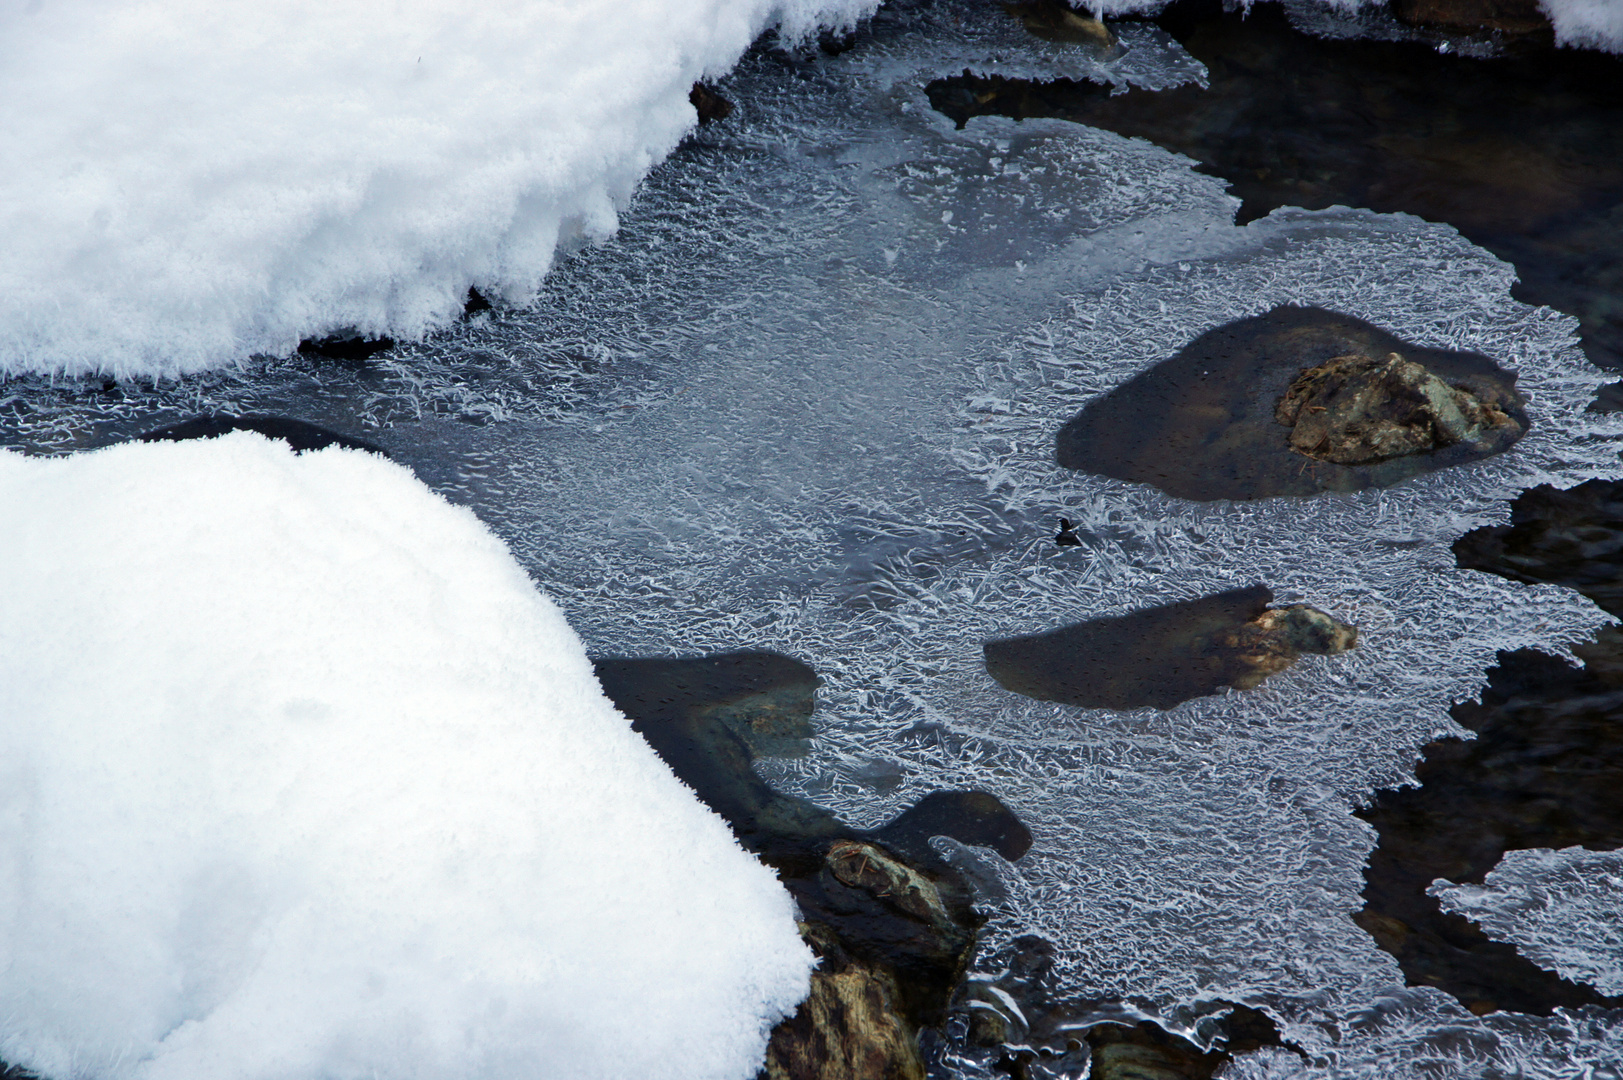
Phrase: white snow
(300, 777)
(188, 182)
(1594, 24)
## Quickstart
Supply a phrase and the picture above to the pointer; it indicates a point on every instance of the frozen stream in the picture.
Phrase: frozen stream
(806, 400)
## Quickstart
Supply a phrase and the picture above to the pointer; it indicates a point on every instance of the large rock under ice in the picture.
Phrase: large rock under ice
(304, 779)
(1205, 423)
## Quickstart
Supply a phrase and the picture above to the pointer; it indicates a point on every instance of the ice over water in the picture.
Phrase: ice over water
(187, 182)
(300, 777)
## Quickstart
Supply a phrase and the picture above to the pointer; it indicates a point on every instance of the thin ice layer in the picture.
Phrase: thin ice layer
(191, 182)
(1563, 910)
(303, 779)
(809, 395)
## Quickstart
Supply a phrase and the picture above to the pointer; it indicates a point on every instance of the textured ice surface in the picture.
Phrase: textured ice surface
(191, 181)
(303, 779)
(805, 400)
(1563, 910)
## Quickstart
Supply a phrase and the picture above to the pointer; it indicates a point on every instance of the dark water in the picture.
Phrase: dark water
(1201, 425)
(1546, 768)
(1520, 153)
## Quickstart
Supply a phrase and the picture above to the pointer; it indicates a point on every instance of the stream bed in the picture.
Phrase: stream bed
(806, 401)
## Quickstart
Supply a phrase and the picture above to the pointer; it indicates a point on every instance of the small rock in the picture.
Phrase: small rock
(1277, 638)
(1357, 410)
(1513, 18)
(710, 105)
(1145, 1052)
(1164, 655)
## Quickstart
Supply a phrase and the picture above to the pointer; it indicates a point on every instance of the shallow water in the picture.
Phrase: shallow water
(806, 401)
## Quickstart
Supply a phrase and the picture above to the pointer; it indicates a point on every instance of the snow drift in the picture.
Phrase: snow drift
(189, 181)
(302, 778)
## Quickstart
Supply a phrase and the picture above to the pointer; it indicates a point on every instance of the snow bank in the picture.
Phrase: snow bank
(1593, 24)
(191, 181)
(300, 777)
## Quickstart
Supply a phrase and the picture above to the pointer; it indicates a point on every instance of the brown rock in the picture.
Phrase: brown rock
(1277, 638)
(1516, 18)
(866, 866)
(1055, 20)
(1145, 1052)
(848, 1028)
(1161, 656)
(1357, 410)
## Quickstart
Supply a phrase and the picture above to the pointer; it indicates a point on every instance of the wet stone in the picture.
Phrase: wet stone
(848, 1028)
(1511, 18)
(1165, 655)
(1056, 20)
(1294, 402)
(1358, 410)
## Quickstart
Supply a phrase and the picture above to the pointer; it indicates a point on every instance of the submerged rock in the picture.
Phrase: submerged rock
(1045, 1031)
(1206, 424)
(1165, 655)
(848, 1028)
(1055, 20)
(1357, 410)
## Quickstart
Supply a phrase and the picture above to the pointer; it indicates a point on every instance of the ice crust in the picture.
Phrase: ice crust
(304, 779)
(190, 182)
(1563, 910)
(805, 400)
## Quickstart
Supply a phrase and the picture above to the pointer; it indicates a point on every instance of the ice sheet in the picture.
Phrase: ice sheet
(1563, 910)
